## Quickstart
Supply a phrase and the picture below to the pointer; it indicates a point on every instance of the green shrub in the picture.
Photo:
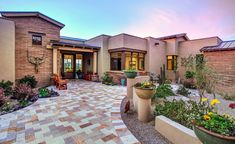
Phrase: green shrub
(29, 80)
(130, 70)
(163, 91)
(43, 92)
(7, 87)
(183, 91)
(106, 79)
(189, 74)
(24, 103)
(6, 107)
(179, 111)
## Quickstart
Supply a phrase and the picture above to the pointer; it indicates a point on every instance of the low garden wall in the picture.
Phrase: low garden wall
(175, 132)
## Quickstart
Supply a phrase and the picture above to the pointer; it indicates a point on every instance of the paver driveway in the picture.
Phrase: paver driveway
(87, 112)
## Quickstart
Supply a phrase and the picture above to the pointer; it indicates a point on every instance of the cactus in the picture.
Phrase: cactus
(162, 76)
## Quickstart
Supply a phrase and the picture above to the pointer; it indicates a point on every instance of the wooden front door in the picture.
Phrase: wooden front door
(68, 66)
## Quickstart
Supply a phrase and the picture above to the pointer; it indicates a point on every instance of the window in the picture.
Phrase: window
(116, 61)
(127, 60)
(36, 40)
(171, 62)
(68, 63)
(141, 61)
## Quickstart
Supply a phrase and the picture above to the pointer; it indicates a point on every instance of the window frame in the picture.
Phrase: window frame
(123, 55)
(33, 40)
(173, 62)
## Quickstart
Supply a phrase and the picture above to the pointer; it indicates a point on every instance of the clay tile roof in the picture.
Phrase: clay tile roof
(223, 46)
(9, 14)
(184, 35)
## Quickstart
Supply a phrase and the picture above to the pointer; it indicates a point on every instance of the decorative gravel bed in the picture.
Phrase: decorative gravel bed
(144, 132)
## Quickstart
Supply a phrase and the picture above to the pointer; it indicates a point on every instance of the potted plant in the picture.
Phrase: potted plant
(130, 73)
(213, 128)
(145, 90)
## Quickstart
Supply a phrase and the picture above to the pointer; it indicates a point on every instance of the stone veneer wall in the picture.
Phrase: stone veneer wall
(117, 76)
(223, 62)
(24, 41)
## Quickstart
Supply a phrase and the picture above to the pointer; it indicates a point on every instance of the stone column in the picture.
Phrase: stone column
(144, 109)
(94, 62)
(54, 61)
(130, 84)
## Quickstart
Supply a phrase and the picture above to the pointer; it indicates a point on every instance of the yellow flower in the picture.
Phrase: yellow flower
(226, 115)
(210, 113)
(204, 99)
(215, 101)
(207, 117)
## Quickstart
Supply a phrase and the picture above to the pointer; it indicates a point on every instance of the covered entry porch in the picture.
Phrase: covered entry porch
(73, 61)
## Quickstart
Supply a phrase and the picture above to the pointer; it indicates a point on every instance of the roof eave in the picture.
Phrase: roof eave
(32, 14)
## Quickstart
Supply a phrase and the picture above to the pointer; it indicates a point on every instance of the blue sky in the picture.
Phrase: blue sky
(89, 18)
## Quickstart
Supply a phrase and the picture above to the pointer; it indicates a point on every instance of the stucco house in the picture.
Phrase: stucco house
(30, 35)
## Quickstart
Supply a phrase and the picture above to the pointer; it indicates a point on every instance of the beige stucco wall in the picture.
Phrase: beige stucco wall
(156, 55)
(7, 50)
(135, 42)
(171, 47)
(192, 47)
(127, 41)
(103, 54)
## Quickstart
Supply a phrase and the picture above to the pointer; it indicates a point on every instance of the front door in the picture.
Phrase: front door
(68, 69)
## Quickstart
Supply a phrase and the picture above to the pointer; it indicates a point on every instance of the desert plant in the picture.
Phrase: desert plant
(3, 99)
(29, 80)
(183, 91)
(7, 87)
(23, 92)
(163, 91)
(106, 79)
(189, 74)
(43, 92)
(7, 106)
(23, 103)
(162, 76)
(153, 77)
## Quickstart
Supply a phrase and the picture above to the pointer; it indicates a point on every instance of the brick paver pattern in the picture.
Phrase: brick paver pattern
(87, 112)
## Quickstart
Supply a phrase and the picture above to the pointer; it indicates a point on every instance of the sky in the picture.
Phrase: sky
(89, 18)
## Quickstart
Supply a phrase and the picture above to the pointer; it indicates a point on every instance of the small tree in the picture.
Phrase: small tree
(206, 77)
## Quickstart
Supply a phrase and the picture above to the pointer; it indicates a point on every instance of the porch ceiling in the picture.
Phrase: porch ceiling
(74, 47)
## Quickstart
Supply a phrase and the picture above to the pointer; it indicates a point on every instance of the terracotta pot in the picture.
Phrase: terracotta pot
(208, 137)
(144, 93)
(130, 75)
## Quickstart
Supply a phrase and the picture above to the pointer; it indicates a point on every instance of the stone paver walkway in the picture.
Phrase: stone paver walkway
(87, 112)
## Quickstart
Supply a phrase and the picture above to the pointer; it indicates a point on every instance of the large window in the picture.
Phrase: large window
(127, 60)
(171, 62)
(116, 61)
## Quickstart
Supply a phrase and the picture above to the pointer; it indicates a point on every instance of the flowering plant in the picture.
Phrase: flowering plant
(212, 121)
(145, 85)
(232, 105)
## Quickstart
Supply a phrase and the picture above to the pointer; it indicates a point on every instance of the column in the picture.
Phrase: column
(54, 61)
(94, 62)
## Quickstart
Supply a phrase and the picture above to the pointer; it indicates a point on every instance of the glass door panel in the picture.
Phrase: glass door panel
(69, 66)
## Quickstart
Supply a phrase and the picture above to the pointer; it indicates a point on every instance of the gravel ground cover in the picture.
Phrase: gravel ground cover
(144, 132)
